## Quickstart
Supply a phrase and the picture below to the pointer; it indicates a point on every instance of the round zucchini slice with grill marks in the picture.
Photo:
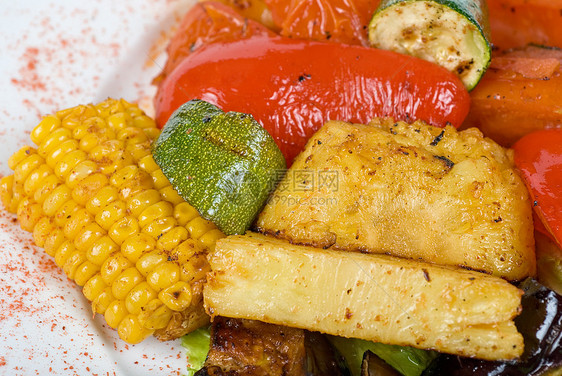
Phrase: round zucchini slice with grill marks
(452, 33)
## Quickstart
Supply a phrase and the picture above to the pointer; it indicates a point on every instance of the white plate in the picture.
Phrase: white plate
(57, 54)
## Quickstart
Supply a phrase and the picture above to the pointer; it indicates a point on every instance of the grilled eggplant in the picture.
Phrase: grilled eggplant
(252, 348)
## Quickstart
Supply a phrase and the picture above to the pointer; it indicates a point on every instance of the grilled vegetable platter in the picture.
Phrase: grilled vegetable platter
(282, 188)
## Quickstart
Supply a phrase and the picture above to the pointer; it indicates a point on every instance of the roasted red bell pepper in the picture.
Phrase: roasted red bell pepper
(292, 86)
(538, 156)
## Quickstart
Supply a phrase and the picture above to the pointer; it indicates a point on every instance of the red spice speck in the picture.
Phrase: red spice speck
(28, 77)
(2, 361)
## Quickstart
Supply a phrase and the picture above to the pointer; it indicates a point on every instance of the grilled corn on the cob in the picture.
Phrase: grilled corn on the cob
(96, 201)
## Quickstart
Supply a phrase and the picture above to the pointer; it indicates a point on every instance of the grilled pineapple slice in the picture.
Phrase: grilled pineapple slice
(415, 191)
(374, 297)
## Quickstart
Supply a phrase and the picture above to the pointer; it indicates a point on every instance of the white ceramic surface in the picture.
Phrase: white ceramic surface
(56, 54)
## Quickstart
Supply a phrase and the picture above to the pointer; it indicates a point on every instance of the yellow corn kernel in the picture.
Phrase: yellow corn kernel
(125, 282)
(80, 131)
(94, 287)
(143, 121)
(159, 179)
(194, 270)
(136, 181)
(101, 250)
(6, 192)
(183, 213)
(101, 199)
(88, 187)
(45, 187)
(88, 236)
(142, 200)
(133, 110)
(90, 140)
(53, 241)
(20, 155)
(67, 163)
(155, 315)
(93, 132)
(171, 239)
(159, 227)
(108, 107)
(29, 213)
(139, 151)
(119, 121)
(80, 172)
(123, 228)
(65, 212)
(111, 214)
(102, 301)
(169, 194)
(44, 128)
(57, 153)
(208, 240)
(72, 263)
(198, 226)
(85, 272)
(149, 261)
(54, 139)
(132, 135)
(54, 201)
(183, 252)
(17, 195)
(163, 276)
(115, 313)
(76, 222)
(98, 125)
(111, 156)
(159, 210)
(70, 122)
(25, 167)
(78, 113)
(139, 297)
(35, 178)
(135, 246)
(176, 297)
(63, 253)
(152, 133)
(114, 266)
(148, 164)
(41, 230)
(132, 331)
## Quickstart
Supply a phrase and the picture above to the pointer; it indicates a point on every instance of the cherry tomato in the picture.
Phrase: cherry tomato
(538, 156)
(205, 23)
(340, 21)
(292, 87)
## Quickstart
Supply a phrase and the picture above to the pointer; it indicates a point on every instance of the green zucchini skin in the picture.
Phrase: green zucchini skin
(223, 164)
(474, 11)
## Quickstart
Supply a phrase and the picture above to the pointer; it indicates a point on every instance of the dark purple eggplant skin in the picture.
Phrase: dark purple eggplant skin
(374, 366)
(322, 358)
(540, 323)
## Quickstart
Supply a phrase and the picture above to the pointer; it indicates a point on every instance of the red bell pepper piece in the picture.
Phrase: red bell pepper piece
(292, 86)
(538, 156)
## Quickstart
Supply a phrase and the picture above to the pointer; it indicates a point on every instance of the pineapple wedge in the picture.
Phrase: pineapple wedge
(374, 297)
(415, 191)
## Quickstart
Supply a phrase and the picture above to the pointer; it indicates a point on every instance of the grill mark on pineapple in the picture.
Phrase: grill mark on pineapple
(446, 161)
(426, 275)
(438, 138)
